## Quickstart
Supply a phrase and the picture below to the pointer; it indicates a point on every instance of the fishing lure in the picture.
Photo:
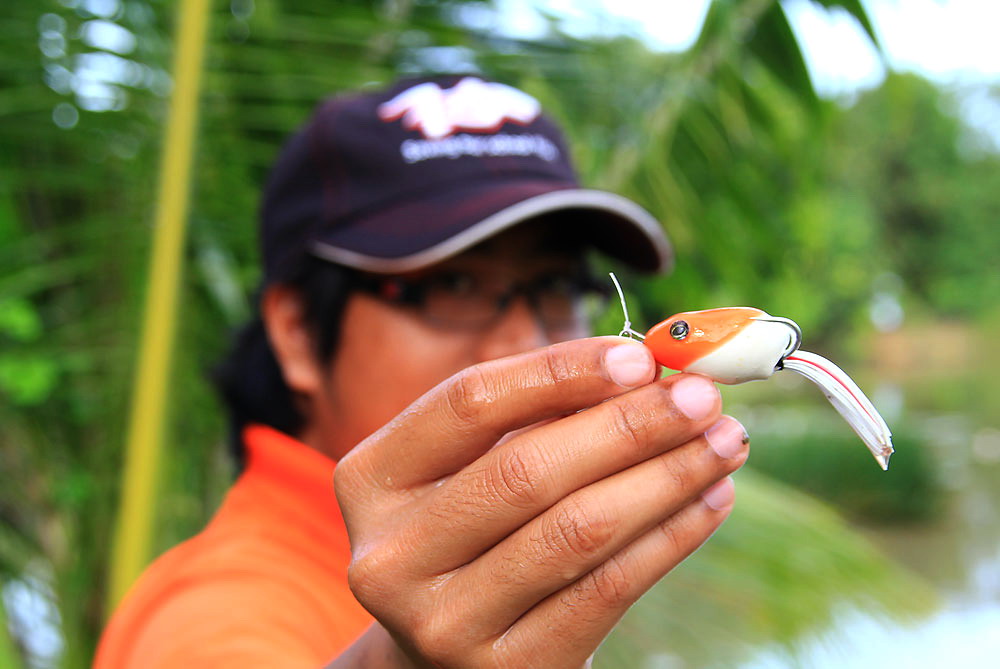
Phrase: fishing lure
(738, 344)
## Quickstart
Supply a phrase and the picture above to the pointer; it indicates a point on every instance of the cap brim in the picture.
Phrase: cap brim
(417, 235)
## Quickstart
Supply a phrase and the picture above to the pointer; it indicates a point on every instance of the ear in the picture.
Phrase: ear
(283, 312)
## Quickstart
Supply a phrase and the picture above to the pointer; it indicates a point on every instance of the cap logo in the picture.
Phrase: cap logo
(471, 105)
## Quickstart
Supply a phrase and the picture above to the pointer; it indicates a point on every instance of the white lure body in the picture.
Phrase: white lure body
(751, 354)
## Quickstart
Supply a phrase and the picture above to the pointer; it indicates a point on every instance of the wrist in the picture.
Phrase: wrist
(375, 649)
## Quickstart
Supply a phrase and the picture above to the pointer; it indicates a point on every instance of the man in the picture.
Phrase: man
(500, 498)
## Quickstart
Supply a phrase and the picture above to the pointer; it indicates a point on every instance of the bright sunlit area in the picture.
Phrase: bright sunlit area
(950, 42)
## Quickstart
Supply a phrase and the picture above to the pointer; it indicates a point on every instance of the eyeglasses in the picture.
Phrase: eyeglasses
(563, 304)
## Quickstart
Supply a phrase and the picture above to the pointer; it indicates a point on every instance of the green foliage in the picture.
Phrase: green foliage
(780, 566)
(835, 467)
(9, 657)
(932, 194)
(19, 320)
(26, 378)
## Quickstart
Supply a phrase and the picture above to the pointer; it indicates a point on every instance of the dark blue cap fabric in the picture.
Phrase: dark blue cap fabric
(400, 179)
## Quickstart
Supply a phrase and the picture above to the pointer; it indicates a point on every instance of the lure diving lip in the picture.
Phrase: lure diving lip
(738, 344)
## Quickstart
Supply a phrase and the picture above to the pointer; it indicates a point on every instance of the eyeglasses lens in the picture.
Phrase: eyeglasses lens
(560, 303)
(457, 301)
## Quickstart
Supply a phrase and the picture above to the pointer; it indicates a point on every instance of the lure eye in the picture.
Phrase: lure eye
(679, 329)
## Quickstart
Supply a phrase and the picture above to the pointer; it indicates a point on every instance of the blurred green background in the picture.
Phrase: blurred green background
(870, 220)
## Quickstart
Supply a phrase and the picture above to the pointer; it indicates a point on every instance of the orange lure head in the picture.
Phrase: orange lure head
(687, 337)
(730, 345)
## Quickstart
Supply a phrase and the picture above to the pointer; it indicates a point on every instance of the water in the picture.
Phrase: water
(959, 554)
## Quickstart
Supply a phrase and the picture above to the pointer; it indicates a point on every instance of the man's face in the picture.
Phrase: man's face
(389, 354)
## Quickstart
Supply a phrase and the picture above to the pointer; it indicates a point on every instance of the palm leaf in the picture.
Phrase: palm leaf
(9, 657)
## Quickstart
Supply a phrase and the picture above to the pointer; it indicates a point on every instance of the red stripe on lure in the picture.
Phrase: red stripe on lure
(738, 344)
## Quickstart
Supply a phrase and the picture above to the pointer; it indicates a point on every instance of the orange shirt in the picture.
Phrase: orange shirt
(264, 585)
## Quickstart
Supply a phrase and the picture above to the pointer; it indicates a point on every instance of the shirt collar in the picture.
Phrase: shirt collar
(299, 473)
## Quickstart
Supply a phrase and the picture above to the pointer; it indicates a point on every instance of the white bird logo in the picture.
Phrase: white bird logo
(471, 105)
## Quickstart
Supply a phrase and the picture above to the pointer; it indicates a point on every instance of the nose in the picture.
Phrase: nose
(518, 330)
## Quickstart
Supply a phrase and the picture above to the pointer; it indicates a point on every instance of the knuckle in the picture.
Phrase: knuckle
(366, 576)
(631, 428)
(680, 473)
(670, 531)
(378, 581)
(579, 532)
(558, 366)
(512, 480)
(609, 585)
(468, 395)
(346, 476)
(436, 637)
(677, 470)
(426, 638)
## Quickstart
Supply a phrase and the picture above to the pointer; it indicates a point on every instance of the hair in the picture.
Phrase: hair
(249, 378)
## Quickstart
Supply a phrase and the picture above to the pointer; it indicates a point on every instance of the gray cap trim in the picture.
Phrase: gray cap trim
(491, 225)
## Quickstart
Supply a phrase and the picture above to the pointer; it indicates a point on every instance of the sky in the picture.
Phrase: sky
(946, 40)
(949, 41)
(952, 42)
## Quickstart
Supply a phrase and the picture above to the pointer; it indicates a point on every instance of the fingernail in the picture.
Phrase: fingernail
(727, 437)
(695, 396)
(629, 365)
(721, 495)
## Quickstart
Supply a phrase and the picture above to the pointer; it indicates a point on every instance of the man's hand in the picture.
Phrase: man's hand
(475, 549)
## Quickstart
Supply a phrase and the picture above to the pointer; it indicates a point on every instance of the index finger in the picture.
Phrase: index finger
(464, 416)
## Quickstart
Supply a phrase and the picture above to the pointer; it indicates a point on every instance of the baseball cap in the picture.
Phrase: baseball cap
(400, 179)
